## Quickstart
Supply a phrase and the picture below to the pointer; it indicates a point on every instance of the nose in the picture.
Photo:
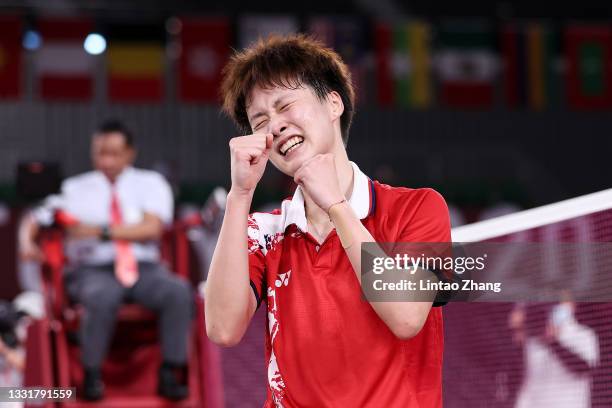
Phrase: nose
(277, 126)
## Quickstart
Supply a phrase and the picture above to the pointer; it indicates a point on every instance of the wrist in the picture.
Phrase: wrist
(105, 233)
(238, 194)
(335, 203)
(340, 211)
(238, 204)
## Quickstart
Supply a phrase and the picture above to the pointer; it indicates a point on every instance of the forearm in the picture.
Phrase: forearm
(150, 228)
(406, 318)
(228, 294)
(143, 231)
(28, 230)
(14, 358)
(572, 360)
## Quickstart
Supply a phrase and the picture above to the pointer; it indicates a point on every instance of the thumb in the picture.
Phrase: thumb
(266, 153)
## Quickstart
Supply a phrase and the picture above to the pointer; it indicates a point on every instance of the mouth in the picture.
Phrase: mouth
(290, 145)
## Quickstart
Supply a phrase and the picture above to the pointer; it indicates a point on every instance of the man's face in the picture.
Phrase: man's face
(302, 124)
(110, 154)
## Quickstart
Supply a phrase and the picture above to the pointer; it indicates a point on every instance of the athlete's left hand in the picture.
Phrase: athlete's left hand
(318, 177)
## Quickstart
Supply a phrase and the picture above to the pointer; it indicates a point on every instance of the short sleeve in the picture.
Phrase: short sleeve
(256, 260)
(158, 199)
(428, 222)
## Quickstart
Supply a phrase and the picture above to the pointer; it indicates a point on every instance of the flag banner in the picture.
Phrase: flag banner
(135, 63)
(205, 46)
(254, 27)
(10, 57)
(466, 65)
(64, 68)
(420, 71)
(383, 43)
(589, 66)
(347, 35)
(531, 66)
(403, 64)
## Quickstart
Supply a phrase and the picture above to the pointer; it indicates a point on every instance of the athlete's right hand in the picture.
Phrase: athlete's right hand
(249, 155)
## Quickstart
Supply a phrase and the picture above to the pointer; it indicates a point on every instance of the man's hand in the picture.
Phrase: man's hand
(319, 179)
(249, 155)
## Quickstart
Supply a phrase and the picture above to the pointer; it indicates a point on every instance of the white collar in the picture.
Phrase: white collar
(359, 201)
(125, 173)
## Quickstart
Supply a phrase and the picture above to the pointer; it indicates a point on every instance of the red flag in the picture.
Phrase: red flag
(513, 65)
(10, 57)
(64, 68)
(205, 46)
(384, 55)
(589, 74)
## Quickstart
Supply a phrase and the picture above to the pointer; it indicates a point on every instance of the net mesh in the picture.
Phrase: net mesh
(490, 360)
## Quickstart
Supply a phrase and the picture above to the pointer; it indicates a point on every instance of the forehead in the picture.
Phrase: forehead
(260, 96)
(109, 140)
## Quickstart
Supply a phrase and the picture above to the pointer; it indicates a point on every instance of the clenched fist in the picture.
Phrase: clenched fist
(319, 178)
(249, 155)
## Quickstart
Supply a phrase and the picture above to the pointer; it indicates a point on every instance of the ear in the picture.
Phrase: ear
(336, 107)
(132, 155)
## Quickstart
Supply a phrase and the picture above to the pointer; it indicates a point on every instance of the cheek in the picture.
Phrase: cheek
(317, 121)
(306, 116)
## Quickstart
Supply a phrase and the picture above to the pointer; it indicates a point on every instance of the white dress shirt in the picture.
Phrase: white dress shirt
(88, 198)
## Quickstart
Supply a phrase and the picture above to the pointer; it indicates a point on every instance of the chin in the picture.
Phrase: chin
(295, 165)
(292, 166)
(288, 171)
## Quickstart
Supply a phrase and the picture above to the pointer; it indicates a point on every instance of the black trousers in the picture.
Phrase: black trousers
(101, 294)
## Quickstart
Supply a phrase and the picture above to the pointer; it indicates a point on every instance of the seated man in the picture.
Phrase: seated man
(117, 214)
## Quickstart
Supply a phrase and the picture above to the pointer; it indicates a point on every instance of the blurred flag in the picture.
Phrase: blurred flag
(64, 69)
(348, 37)
(135, 63)
(253, 27)
(466, 65)
(10, 57)
(403, 64)
(589, 74)
(205, 45)
(531, 72)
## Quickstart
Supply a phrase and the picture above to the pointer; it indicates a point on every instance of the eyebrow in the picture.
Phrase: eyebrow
(275, 105)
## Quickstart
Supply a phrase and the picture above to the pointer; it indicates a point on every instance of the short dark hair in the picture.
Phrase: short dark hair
(287, 61)
(116, 126)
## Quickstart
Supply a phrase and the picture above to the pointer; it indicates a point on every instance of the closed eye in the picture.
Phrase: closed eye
(259, 125)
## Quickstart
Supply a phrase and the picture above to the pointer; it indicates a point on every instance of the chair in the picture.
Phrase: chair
(130, 369)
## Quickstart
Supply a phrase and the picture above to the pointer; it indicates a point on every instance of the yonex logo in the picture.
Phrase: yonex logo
(283, 279)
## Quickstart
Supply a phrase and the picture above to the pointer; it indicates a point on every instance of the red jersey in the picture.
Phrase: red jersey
(325, 345)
